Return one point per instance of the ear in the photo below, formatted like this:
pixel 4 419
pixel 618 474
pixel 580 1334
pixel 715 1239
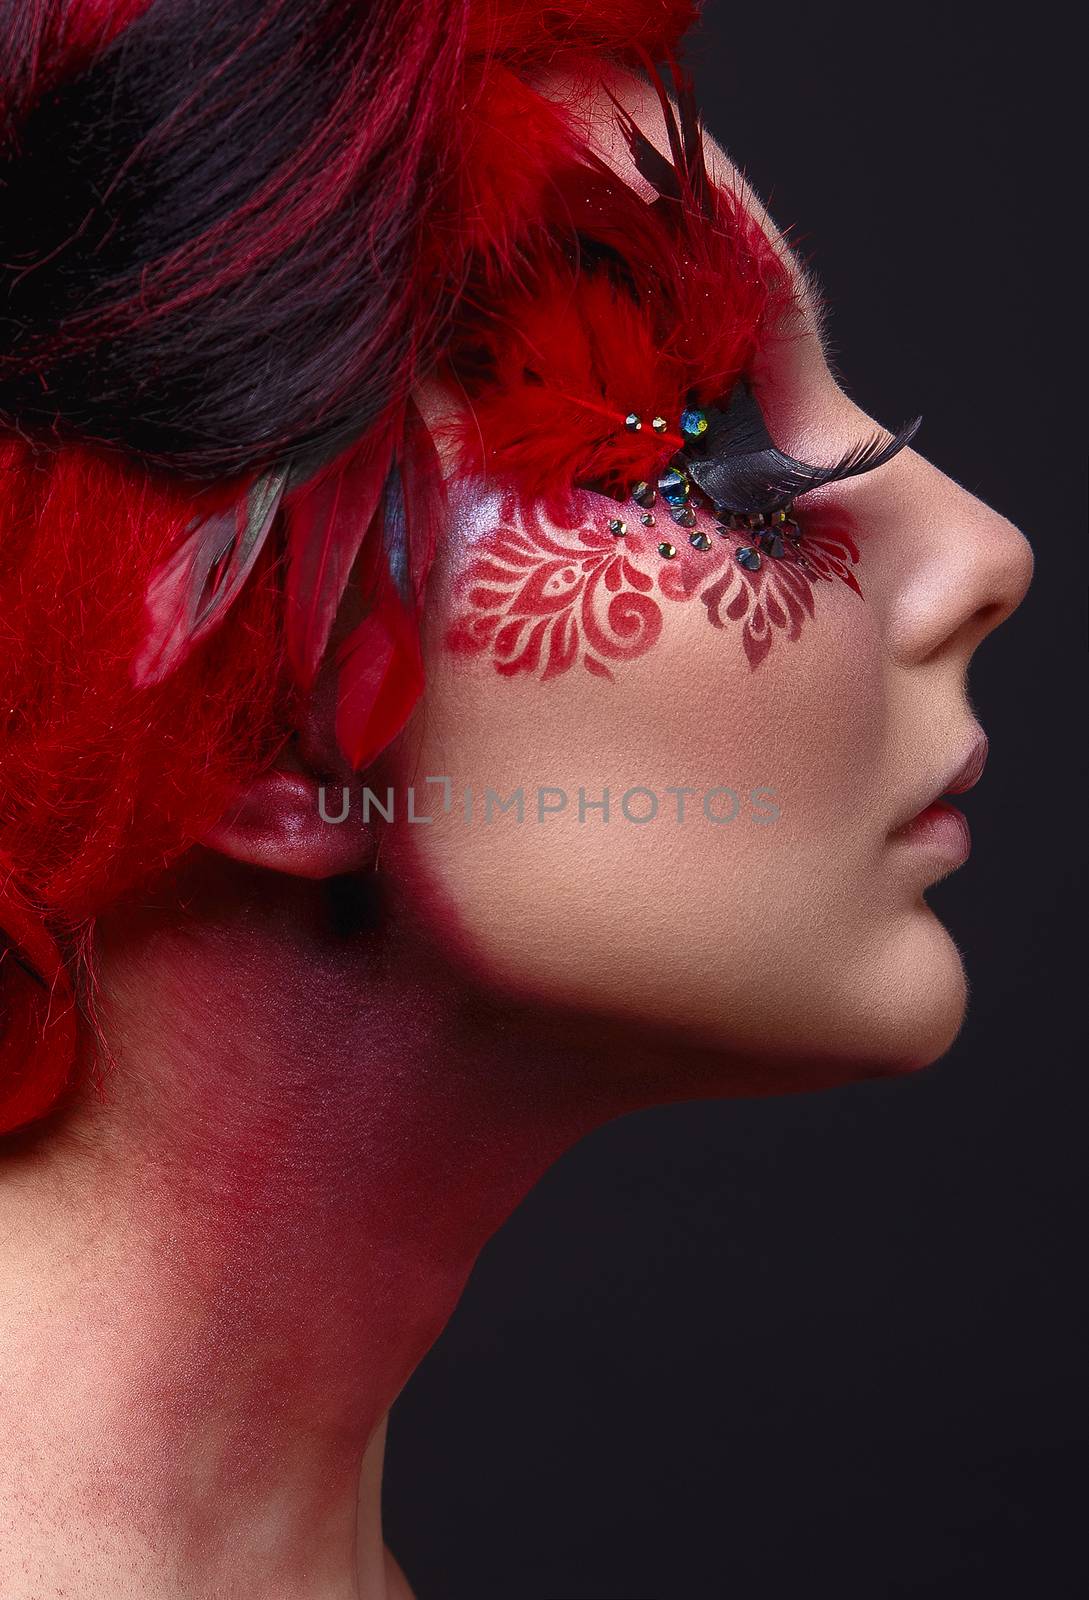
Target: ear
pixel 280 821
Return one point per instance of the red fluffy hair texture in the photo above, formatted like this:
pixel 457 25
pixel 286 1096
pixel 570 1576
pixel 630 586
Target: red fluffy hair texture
pixel 101 785
pixel 527 29
pixel 104 783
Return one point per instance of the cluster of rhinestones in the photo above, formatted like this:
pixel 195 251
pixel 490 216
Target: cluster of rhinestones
pixel 677 493
pixel 766 534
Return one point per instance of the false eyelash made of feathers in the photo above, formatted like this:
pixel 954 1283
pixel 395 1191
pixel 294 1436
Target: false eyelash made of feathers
pixel 740 470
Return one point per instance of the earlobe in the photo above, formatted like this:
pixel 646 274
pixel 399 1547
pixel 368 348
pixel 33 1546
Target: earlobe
pixel 281 821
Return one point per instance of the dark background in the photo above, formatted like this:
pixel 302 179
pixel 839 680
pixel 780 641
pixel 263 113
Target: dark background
pixel 833 1345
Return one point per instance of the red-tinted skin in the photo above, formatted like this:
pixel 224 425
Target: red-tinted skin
pixel 308 1135
pixel 310 1138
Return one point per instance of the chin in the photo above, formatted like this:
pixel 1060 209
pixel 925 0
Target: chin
pixel 917 999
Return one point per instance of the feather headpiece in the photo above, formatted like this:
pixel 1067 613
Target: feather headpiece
pixel 563 331
pixel 224 271
pixel 629 309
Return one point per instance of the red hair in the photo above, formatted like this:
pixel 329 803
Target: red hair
pixel 142 378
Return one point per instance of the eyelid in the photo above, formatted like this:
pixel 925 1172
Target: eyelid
pixel 738 466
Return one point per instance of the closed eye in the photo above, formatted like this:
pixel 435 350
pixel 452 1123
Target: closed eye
pixel 736 464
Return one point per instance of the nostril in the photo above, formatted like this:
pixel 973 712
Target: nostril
pixel 1008 577
pixel 989 616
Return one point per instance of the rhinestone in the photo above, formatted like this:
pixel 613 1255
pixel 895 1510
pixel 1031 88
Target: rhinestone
pixel 699 540
pixel 792 531
pixel 674 487
pixel 659 424
pixel 617 526
pixel 632 423
pixel 647 519
pixel 693 423
pixel 642 493
pixel 772 545
pixel 747 557
pixel 666 549
pixel 685 517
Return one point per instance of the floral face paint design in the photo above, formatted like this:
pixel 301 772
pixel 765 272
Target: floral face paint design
pixel 542 594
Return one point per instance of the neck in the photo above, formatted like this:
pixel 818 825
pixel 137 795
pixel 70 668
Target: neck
pixel 219 1270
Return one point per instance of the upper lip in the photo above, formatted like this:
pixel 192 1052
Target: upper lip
pixel 960 776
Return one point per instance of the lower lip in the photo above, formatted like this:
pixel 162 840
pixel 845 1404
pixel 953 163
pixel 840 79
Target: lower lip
pixel 940 829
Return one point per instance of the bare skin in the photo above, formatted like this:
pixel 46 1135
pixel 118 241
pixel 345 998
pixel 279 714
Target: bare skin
pixel 218 1272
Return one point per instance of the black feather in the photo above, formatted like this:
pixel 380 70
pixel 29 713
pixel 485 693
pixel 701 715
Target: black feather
pixel 742 471
pixel 680 178
pixel 649 161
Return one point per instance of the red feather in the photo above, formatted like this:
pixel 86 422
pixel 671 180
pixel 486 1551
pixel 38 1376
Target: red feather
pixel 190 593
pixel 327 519
pixel 515 141
pixel 634 306
pixel 570 362
pixel 625 28
pixel 425 499
pixel 380 665
pixel 381 677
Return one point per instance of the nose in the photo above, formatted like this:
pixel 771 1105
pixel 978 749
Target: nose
pixel 964 569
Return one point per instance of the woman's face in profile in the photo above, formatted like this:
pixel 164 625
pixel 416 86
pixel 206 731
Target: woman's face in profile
pixel 773 742
pixel 666 786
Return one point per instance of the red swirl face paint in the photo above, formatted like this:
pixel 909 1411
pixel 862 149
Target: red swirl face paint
pixel 539 595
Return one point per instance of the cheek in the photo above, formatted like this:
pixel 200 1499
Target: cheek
pixel 564 667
